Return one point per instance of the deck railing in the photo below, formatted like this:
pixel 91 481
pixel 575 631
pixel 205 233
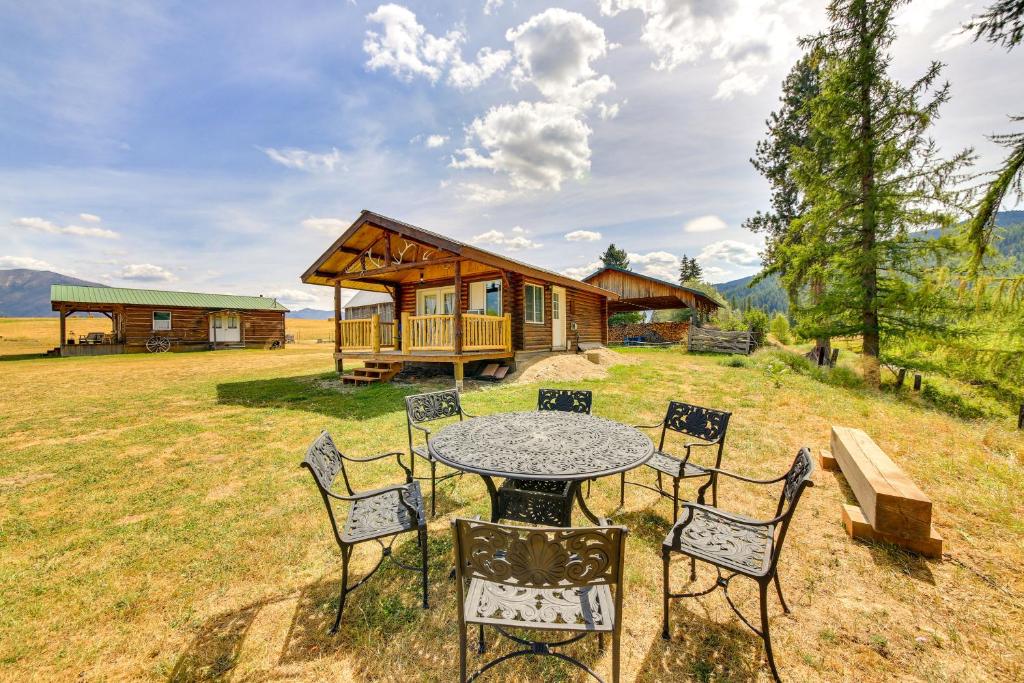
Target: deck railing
pixel 427 333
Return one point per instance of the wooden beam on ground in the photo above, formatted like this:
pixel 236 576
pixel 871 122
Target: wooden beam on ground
pixel 890 501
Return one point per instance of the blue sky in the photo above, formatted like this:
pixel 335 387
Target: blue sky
pixel 223 146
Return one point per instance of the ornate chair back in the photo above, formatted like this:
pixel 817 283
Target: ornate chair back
pixel 324 462
pixel 435 405
pixel 565 400
pixel 796 480
pixel 705 424
pixel 538 557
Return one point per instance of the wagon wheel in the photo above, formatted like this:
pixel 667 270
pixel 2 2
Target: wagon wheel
pixel 156 344
pixel 276 344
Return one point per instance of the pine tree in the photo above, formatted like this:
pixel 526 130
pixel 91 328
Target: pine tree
pixel 789 129
pixel 870 177
pixel 615 258
pixel 689 270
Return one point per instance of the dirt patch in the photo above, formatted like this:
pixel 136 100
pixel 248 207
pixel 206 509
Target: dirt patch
pixel 20 480
pixel 566 367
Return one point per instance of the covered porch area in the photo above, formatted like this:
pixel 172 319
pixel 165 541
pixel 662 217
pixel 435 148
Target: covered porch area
pixel 91 343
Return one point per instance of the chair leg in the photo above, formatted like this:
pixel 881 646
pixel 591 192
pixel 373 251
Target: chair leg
pixel 622 490
pixel 600 641
pixel 588 487
pixel 433 488
pixel 675 501
pixel 616 659
pixel 660 488
pixel 481 643
pixel 693 569
pixel 714 490
pixel 778 589
pixel 665 554
pixel 422 535
pixel 765 635
pixel 462 651
pixel 345 552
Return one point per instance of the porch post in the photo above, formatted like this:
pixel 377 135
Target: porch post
pixel 339 365
pixel 375 333
pixel 507 332
pixel 458 375
pixel 63 329
pixel 457 332
pixel 406 332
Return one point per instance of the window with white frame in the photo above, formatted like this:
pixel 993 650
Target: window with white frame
pixel 435 300
pixel 534 304
pixel 485 297
pixel 161 321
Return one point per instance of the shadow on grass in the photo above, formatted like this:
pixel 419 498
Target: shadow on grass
pixel 22 356
pixel 703 648
pixel 316 394
pixel 887 555
pixel 384 634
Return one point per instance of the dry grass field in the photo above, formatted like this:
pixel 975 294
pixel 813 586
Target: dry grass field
pixel 20 336
pixel 156 525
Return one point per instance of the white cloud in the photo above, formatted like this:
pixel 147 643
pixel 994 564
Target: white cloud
pixel 89 217
pixel 304 160
pixel 607 112
pixel 331 226
pixel 741 83
pixel 582 236
pixel 41 225
pixel 709 223
pixel 483 194
pixel 747 36
pixel 290 297
pixel 660 264
pixel 915 16
pixel 954 39
pixel 25 262
pixel 146 272
pixel 491 5
pixel 469 75
pixel 404 47
pixel 538 145
pixel 580 272
pixel 554 51
pixel 517 242
pixel 434 141
pixel 731 251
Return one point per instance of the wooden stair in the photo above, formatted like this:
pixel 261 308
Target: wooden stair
pixel 373 371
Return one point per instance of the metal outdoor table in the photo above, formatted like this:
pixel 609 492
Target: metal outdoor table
pixel 546 445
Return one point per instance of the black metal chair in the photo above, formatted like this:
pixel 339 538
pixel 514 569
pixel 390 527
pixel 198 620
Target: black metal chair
pixel 374 515
pixel 565 400
pixel 420 408
pixel 737 545
pixel 706 424
pixel 539 579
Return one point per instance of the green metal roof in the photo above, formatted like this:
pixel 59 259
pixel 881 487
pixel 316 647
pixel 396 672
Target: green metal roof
pixel 156 297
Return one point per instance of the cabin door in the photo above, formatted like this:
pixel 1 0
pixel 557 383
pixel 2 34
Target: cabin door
pixel 557 318
pixel 225 328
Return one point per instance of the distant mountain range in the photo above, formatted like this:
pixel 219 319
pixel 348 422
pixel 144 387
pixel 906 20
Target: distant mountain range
pixel 311 314
pixel 26 293
pixel 769 295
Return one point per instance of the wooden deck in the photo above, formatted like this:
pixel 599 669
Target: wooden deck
pixel 394 355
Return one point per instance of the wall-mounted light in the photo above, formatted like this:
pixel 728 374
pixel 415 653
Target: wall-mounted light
pixel 421 277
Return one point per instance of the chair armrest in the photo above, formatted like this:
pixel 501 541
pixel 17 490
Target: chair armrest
pixel 398 458
pixel 700 443
pixel 654 426
pixel 714 472
pixel 465 414
pixel 425 430
pixel 690 508
pixel 367 494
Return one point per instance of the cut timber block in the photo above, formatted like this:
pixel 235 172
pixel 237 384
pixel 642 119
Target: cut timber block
pixel 827 462
pixel 488 372
pixel 890 501
pixel 501 372
pixel 857 526
pixel 594 357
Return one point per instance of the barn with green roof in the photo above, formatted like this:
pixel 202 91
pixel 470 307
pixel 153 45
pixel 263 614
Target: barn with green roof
pixel 156 320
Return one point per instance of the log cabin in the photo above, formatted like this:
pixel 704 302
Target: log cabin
pixel 157 320
pixel 455 303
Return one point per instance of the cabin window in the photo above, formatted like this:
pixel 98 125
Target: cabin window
pixel 435 301
pixel 534 304
pixel 485 297
pixel 161 320
pixel 232 322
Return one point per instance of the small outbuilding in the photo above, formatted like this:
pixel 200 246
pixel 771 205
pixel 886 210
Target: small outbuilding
pixel 158 320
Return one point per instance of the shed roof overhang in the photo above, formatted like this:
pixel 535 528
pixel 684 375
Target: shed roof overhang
pixel 376 253
pixel 639 292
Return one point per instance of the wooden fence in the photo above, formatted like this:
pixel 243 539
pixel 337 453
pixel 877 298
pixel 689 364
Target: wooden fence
pixel 705 339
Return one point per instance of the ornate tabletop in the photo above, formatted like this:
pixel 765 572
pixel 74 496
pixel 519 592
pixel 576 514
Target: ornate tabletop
pixel 541 445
